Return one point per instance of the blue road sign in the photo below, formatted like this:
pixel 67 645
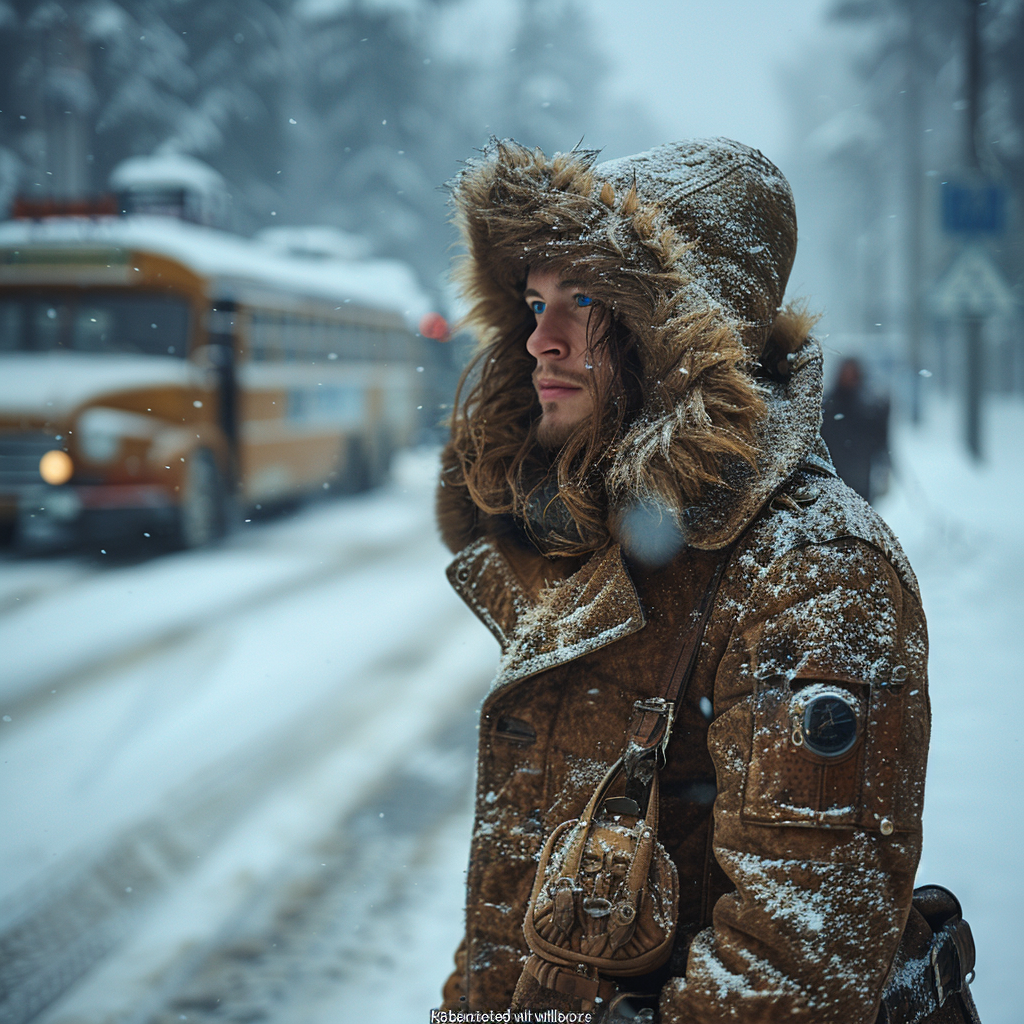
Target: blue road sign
pixel 973 208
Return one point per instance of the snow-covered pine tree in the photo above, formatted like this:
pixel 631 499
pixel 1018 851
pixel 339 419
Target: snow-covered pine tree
pixel 137 77
pixel 553 78
pixel 377 112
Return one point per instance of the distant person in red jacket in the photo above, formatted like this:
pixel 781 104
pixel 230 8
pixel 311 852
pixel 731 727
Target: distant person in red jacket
pixel 856 430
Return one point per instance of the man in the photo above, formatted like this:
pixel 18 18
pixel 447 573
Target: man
pixel 641 408
pixel 856 431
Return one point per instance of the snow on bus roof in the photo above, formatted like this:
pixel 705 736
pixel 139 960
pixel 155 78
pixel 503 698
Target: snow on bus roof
pixel 177 170
pixel 234 261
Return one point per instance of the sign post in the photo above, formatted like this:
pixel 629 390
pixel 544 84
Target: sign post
pixel 972 290
pixel 973 208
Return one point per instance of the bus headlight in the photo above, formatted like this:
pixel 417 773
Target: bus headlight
pixel 100 431
pixel 56 467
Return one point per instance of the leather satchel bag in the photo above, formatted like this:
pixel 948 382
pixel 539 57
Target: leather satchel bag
pixel 606 892
pixel 604 902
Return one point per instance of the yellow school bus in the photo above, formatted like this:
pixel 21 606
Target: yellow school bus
pixel 155 375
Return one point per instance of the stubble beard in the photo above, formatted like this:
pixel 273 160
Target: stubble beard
pixel 552 436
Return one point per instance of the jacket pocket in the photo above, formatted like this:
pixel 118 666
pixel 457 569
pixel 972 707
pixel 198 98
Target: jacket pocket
pixel 514 730
pixel 821 756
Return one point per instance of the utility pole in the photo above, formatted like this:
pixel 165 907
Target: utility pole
pixel 913 168
pixel 974 208
pixel 974 375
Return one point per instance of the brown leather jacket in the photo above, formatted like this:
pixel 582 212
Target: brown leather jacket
pixel 796 870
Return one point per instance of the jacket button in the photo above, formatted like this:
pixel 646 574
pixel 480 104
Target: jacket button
pixel 462 574
pixel 886 827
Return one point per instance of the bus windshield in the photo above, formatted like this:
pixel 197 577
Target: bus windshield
pixel 94 321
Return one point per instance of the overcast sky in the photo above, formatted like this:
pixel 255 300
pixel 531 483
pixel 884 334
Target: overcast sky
pixel 708 67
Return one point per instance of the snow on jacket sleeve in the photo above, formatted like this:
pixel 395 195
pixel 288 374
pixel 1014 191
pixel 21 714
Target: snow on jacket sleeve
pixel 822 851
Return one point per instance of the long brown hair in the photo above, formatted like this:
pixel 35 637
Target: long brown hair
pixel 502 463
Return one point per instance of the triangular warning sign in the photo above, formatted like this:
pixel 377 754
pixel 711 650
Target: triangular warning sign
pixel 973 287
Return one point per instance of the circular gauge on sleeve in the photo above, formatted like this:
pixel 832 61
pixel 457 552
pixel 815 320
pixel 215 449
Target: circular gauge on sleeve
pixel 830 724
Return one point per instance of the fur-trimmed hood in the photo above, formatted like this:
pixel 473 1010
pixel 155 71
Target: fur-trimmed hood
pixel 690 246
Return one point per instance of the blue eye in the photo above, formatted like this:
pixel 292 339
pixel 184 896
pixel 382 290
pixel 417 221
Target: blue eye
pixel 583 300
pixel 537 306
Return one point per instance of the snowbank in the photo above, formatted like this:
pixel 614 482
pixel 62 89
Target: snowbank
pixel 960 524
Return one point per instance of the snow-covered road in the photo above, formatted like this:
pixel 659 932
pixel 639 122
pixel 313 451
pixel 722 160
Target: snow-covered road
pixel 181 732
pixel 236 783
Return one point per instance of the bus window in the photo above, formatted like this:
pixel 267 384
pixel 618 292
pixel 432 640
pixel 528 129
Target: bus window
pixel 362 342
pixel 11 325
pixel 259 338
pixel 379 343
pixel 148 325
pixel 32 325
pixel 288 338
pixel 321 339
pixel 273 347
pixel 300 332
pixel 99 322
pixel 340 342
pixel 400 346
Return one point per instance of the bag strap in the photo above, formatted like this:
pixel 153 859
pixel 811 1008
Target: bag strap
pixel 592 991
pixel 646 835
pixel 651 726
pixel 924 979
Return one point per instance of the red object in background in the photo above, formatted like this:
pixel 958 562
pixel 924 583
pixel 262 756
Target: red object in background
pixel 433 325
pixel 38 209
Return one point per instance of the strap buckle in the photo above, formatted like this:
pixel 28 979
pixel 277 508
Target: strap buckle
pixel 662 707
pixel 940 991
pixel 649 731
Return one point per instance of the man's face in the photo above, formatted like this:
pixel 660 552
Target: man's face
pixel 569 371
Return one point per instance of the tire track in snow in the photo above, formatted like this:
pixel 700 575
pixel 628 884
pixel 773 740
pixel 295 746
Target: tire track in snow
pixel 55 933
pixel 317 929
pixel 158 641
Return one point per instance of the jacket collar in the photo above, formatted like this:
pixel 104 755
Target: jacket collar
pixel 592 608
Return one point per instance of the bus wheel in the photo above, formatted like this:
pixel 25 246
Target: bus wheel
pixel 201 515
